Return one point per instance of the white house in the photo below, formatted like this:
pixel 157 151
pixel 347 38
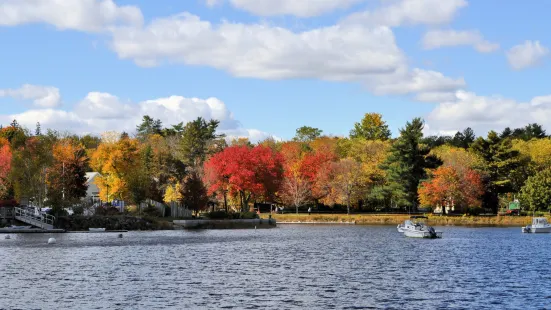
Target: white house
pixel 93 191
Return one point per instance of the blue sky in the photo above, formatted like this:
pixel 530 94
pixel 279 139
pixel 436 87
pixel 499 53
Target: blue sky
pixel 267 67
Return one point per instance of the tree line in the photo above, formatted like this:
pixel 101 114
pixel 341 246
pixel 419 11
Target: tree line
pixel 367 171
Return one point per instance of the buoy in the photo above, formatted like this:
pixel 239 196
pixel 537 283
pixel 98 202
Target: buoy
pixel 120 235
pixel 51 241
pixel 7 237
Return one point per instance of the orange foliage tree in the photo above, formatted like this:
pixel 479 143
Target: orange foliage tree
pixel 448 186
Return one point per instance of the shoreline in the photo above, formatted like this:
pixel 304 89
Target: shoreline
pixel 395 219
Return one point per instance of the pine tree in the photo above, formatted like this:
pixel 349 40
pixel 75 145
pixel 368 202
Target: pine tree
pixel 406 164
pixel 503 164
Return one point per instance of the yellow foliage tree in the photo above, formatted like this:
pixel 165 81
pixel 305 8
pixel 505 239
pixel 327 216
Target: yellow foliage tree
pixel 172 193
pixel 115 161
pixel 539 151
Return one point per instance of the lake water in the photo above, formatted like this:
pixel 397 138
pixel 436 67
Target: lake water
pixel 290 267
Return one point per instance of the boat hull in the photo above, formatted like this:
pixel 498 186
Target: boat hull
pixel 536 230
pixel 422 234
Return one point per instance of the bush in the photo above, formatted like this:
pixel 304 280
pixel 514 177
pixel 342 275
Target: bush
pixel 106 210
pixel 151 210
pixel 249 215
pixel 474 211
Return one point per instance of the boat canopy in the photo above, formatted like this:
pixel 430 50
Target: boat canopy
pixel 539 221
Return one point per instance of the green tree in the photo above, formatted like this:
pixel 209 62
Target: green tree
pixel 149 126
pixel 307 134
pixel 406 165
pixel 503 165
pixel 372 127
pixel 463 139
pixel 536 193
pixel 195 141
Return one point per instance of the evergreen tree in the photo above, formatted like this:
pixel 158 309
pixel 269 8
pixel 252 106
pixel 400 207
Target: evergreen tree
pixel 307 134
pixel 149 126
pixel 195 141
pixel 372 127
pixel 502 164
pixel 463 139
pixel 406 164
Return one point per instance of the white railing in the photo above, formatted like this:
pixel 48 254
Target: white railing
pixel 35 218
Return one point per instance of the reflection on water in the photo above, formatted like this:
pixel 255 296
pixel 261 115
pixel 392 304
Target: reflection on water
pixel 291 267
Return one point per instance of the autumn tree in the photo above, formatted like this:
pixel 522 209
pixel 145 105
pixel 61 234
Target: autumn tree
pixel 250 173
pixel 406 165
pixel 5 168
pixel 296 188
pixel 346 181
pixel 193 192
pixel 116 162
pixel 307 134
pixel 371 127
pixel 66 176
pixel 451 187
pixel 29 165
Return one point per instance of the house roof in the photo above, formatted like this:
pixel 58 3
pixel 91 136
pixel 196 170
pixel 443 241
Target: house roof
pixel 90 176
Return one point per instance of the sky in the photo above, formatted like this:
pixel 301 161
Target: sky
pixel 267 67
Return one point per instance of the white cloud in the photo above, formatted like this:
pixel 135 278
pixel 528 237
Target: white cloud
pixel 409 12
pixel 41 96
pixel 83 15
pixel 422 82
pixel 258 51
pixel 440 38
pixel 484 113
pixel 528 54
pixel 300 8
pixel 99 112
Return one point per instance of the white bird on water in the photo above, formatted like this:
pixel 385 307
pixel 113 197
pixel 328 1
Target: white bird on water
pixel 52 241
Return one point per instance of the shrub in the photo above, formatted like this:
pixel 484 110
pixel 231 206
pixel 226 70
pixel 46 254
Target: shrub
pixel 151 210
pixel 474 211
pixel 106 210
pixel 249 215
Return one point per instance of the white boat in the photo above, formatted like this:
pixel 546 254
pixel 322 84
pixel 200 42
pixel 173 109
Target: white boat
pixel 96 229
pixel 406 225
pixel 416 229
pixel 539 225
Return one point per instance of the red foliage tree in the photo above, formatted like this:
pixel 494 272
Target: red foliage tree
pixel 244 171
pixel 5 167
pixel 447 185
pixel 316 167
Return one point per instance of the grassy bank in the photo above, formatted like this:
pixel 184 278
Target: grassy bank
pixel 395 219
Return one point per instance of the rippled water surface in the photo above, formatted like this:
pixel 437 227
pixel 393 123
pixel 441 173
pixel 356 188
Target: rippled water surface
pixel 290 267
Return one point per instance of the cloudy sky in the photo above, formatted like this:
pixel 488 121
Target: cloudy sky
pixel 267 67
